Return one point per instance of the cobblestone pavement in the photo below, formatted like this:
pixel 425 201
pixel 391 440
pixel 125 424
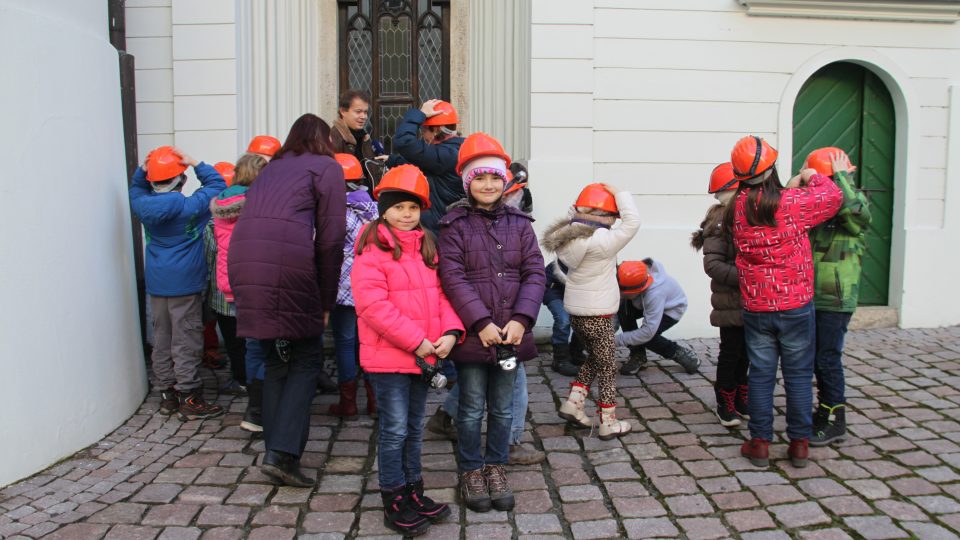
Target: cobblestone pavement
pixel 680 474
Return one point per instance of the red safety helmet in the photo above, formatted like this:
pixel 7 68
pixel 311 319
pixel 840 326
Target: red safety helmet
pixel 264 144
pixel 722 178
pixel 164 163
pixel 633 277
pixel 596 196
pixel 226 170
pixel 480 144
pixel 820 161
pixel 406 178
pixel 447 116
pixel 751 157
pixel 351 166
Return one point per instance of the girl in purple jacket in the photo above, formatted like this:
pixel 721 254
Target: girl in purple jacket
pixel 491 269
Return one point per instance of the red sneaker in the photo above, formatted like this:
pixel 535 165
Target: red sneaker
pixel 799 452
pixel 757 451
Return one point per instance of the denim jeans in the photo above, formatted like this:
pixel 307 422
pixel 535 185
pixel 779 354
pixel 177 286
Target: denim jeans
pixel 627 317
pixel 520 402
pixel 343 323
pixel 484 386
pixel 402 401
pixel 788 337
pixel 255 359
pixel 561 322
pixel 828 365
pixel 288 391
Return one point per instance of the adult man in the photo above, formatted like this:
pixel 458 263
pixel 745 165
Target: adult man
pixel 435 154
pixel 349 134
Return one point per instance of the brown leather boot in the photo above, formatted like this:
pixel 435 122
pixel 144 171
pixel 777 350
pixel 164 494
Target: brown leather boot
pixel 371 399
pixel 757 451
pixel 799 452
pixel 347 408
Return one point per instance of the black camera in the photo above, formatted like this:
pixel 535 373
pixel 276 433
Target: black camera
pixel 507 357
pixel 431 374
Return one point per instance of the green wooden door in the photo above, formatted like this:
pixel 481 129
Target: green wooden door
pixel 847 106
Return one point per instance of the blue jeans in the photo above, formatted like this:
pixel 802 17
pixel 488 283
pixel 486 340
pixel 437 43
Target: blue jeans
pixel 520 402
pixel 402 401
pixel 288 391
pixel 255 360
pixel 828 366
pixel 561 321
pixel 484 386
pixel 788 337
pixel 343 323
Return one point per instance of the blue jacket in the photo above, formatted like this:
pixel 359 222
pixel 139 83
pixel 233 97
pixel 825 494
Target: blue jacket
pixel 174 262
pixel 437 161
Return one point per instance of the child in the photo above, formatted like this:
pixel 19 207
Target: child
pixel 588 246
pixel 567 349
pixel 361 209
pixel 770 226
pixel 176 273
pixel 264 146
pixel 492 271
pixel 837 247
pixel 720 263
pixel 226 209
pixel 648 291
pixel 404 319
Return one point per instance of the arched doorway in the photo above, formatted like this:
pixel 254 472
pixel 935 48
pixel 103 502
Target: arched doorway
pixel 846 105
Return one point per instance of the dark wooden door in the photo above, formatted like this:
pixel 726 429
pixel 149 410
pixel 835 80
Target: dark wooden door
pixel 399 52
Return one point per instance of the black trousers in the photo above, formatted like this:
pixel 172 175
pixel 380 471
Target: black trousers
pixel 288 390
pixel 732 362
pixel 628 315
pixel 236 347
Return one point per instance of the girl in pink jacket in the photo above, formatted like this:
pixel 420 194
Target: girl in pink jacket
pixel 405 325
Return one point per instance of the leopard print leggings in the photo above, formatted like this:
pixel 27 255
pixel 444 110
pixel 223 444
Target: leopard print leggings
pixel 597 335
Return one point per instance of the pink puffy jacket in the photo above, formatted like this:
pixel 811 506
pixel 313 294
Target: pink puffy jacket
pixel 226 210
pixel 399 304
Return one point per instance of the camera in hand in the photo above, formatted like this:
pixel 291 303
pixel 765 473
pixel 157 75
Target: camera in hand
pixel 431 373
pixel 507 357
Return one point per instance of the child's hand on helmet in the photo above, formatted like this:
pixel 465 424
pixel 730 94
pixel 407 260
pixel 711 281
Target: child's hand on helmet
pixel 490 335
pixel 512 333
pixel 841 162
pixel 425 349
pixel 428 107
pixel 185 158
pixel 444 345
pixel 610 189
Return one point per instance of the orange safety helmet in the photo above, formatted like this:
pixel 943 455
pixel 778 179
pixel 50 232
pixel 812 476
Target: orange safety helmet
pixel 513 186
pixel 447 116
pixel 164 163
pixel 633 277
pixel 820 161
pixel 480 144
pixel 351 166
pixel 264 144
pixel 596 196
pixel 406 178
pixel 226 170
pixel 722 178
pixel 751 157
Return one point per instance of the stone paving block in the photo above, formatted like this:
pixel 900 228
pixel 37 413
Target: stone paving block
pixel 625 489
pixel 703 528
pixel 585 492
pixel 180 533
pixel 875 527
pixel 749 520
pixel 794 516
pixel 132 532
pixel 871 489
pixel 822 487
pixel 291 495
pixel 538 523
pixel 825 534
pixel 587 530
pixel 122 513
pixel 171 514
pixel 675 485
pixel 203 495
pixel 913 486
pixel 661 467
pixel 719 484
pixel 281 516
pixel 689 505
pixel 320 522
pixel 491 531
pixel 218 515
pixel 79 531
pixel 770 495
pixel 340 502
pixel 937 504
pixel 846 505
pixel 222 533
pixel 585 511
pixel 639 507
pixel 735 501
pixel 157 493
pixel 929 531
pixel 184 475
pixel 525 480
pixel 533 502
pixel 219 476
pixel 272 533
pixel 650 528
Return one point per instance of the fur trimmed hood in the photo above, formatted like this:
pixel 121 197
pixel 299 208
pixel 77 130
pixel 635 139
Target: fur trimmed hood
pixel 229 208
pixel 712 225
pixel 562 232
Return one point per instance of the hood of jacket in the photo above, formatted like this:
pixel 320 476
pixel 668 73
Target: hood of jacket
pixel 562 232
pixel 228 207
pixel 712 225
pixel 360 202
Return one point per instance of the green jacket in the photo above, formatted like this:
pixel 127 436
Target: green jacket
pixel 838 245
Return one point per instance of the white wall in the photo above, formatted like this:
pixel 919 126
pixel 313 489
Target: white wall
pixel 69 335
pixel 637 94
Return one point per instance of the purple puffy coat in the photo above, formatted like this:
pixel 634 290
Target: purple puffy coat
pixel 491 270
pixel 287 247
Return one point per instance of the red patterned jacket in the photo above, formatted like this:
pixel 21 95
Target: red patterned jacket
pixel 775 264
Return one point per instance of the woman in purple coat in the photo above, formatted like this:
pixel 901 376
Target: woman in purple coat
pixel 492 272
pixel 284 267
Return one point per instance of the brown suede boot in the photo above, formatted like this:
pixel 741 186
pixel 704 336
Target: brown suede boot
pixel 347 408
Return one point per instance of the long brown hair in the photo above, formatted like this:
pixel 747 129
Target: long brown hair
pixel 762 202
pixel 428 246
pixel 308 135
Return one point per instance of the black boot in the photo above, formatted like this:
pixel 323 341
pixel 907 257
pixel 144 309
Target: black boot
pixel 285 469
pixel 253 416
pixel 441 423
pixel 636 362
pixel 577 352
pixel 561 361
pixel 829 425
pixel 326 385
pixel 399 515
pixel 726 406
pixel 425 506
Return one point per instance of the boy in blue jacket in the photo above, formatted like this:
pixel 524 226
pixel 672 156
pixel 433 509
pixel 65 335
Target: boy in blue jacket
pixel 647 291
pixel 176 273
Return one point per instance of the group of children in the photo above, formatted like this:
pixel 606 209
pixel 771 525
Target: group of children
pixel 408 302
